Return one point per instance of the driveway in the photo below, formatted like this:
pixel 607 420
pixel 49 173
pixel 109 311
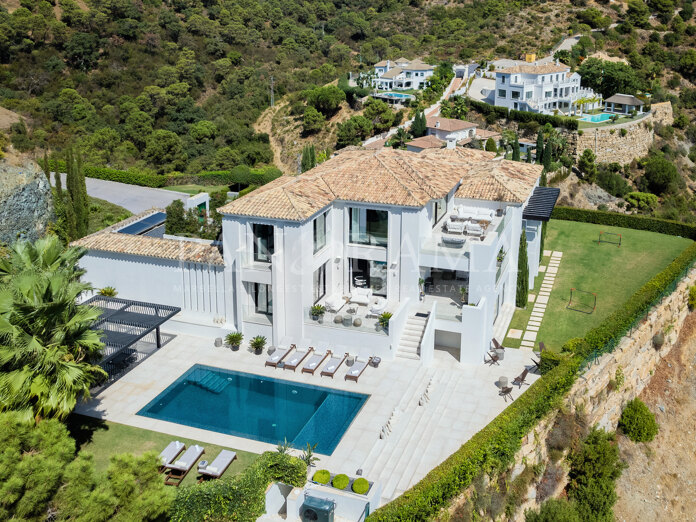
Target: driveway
pixel 131 197
pixel 479 85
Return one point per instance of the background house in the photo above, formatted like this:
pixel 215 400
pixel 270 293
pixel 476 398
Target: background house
pixel 401 74
pixel 623 104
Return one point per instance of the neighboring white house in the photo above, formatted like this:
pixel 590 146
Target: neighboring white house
pixel 364 233
pixel 401 74
pixel 543 88
pixel 448 132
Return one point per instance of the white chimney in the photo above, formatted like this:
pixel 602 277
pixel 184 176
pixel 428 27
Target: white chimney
pixel 451 143
pixel 388 64
pixel 437 124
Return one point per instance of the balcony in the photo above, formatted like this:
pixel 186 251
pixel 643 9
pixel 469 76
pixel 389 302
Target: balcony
pixel 350 317
pixel 251 315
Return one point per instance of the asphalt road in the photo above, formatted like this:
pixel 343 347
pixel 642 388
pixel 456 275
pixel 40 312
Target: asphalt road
pixel 131 197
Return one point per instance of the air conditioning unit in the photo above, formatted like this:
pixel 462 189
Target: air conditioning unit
pixel 316 509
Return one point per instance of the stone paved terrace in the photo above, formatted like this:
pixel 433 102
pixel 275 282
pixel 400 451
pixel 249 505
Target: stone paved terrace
pixel 462 399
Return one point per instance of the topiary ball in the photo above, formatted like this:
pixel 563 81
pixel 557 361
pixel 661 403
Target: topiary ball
pixel 361 486
pixel 638 422
pixel 340 481
pixel 322 476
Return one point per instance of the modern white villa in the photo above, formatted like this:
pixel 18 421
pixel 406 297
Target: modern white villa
pixel 401 74
pixel 431 238
pixel 543 88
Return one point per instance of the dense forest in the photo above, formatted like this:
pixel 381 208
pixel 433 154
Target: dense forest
pixel 176 85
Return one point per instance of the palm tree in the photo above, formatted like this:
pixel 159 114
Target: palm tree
pixel 400 138
pixel 48 349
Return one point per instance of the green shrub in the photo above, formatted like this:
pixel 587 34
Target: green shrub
pixel 243 497
pixel 340 481
pixel 594 469
pixel 571 345
pixel 522 116
pixel 692 298
pixel 322 476
pixel 637 422
pixel 361 486
pixel 548 361
pixel 553 510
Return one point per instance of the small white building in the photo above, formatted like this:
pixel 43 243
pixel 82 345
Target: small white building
pixel 543 88
pixel 623 104
pixel 450 129
pixel 432 238
pixel 401 74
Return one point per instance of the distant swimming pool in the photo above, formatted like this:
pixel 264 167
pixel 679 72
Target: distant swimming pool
pixel 596 118
pixel 256 407
pixel 398 95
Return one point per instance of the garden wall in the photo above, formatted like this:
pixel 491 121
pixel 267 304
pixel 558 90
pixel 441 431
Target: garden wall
pixel 610 146
pixel 594 393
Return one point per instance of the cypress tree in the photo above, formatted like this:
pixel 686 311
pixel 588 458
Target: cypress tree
pixel 542 180
pixel 546 158
pixel 59 185
pixel 309 158
pixel 83 225
pixel 46 167
pixel 490 145
pixel 313 156
pixel 419 126
pixel 516 149
pixel 529 155
pixel 539 147
pixel 522 273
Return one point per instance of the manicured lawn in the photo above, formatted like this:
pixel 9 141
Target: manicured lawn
pixel 613 273
pixel 195 189
pixel 104 439
pixel 103 213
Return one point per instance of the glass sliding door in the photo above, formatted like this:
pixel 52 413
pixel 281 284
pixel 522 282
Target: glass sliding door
pixel 263 243
pixel 365 273
pixel 319 285
pixel 368 226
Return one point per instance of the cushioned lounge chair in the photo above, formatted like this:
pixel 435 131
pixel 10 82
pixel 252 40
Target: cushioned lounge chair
pixel 361 296
pixel 455 227
pixel 357 370
pixel 334 303
pixel 296 359
pixel 177 470
pixel 216 468
pixel 333 365
pixel 315 361
pixel 170 453
pixel 278 356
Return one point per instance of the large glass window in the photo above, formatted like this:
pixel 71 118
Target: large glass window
pixel 319 282
pixel 263 243
pixel 439 210
pixel 320 232
pixel 365 273
pixel 369 227
pixel 515 95
pixel 263 299
pixel 502 93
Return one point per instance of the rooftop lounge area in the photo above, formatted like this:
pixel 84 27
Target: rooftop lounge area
pixel 460 227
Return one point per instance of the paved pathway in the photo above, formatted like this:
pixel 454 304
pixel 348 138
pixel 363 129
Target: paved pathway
pixel 529 337
pixel 131 197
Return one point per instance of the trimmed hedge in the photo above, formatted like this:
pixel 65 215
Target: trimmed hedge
pixel 662 226
pixel 523 116
pixel 548 361
pixel 244 497
pixel 240 174
pixel 494 447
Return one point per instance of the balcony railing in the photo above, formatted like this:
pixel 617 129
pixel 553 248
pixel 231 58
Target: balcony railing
pixel 357 321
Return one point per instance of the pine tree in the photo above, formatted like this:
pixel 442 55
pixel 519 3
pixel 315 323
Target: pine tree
pixel 539 147
pixel 516 149
pixel 490 145
pixel 522 273
pixel 546 158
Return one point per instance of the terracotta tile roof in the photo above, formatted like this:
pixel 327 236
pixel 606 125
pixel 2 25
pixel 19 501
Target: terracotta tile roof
pixel 386 176
pixel 484 134
pixel 392 73
pixel 383 63
pixel 110 240
pixel 418 65
pixel 546 68
pixel 402 60
pixel 508 181
pixel 448 124
pixel 427 142
pixel 377 144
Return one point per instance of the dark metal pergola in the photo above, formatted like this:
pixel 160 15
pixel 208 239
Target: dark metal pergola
pixel 123 323
pixel 541 204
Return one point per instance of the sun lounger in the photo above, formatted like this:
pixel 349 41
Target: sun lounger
pixel 521 378
pixel 218 466
pixel 333 365
pixel 277 357
pixel 178 469
pixel 357 369
pixel 296 359
pixel 315 361
pixel 170 453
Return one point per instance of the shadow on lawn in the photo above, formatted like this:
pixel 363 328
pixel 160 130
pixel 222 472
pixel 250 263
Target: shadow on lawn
pixel 82 428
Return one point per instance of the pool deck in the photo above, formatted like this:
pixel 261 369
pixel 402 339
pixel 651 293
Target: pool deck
pixel 433 410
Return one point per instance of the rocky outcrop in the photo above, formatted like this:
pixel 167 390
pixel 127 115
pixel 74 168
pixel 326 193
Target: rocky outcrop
pixel 26 203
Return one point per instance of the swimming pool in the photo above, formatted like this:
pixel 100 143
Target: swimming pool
pixel 397 95
pixel 256 407
pixel 596 118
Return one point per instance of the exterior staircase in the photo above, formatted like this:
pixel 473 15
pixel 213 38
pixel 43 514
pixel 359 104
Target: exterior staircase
pixel 409 344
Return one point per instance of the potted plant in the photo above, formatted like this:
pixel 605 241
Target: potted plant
pixel 421 288
pixel 501 256
pixel 258 343
pixel 383 320
pixel 464 294
pixel 108 291
pixel 317 312
pixel 233 340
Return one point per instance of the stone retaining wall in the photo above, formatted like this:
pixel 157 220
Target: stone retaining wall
pixel 610 146
pixel 636 357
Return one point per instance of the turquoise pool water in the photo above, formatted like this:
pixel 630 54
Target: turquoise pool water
pixel 397 95
pixel 596 118
pixel 259 408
